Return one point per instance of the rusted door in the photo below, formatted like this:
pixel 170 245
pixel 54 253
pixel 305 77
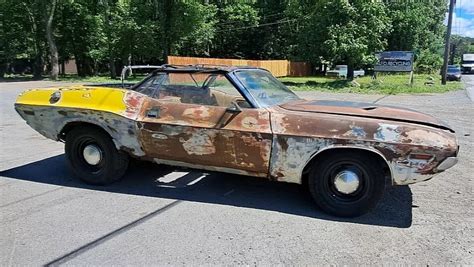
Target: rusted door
pixel 206 136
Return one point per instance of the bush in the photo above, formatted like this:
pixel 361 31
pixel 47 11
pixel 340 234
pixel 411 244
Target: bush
pixel 428 62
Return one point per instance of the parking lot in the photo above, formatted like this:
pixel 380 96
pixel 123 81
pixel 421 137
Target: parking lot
pixel 162 216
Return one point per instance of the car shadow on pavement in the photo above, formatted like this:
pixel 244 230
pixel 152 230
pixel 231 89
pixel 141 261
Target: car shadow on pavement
pixel 151 180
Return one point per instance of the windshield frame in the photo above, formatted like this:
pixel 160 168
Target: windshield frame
pixel 232 78
pixel 228 75
pixel 248 94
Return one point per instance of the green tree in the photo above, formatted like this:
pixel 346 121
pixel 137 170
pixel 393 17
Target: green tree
pixel 236 35
pixel 274 39
pixel 344 31
pixel 15 35
pixel 23 33
pixel 80 32
pixel 418 26
pixel 460 45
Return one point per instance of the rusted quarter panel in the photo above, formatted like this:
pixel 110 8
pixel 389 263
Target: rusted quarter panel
pixel 113 110
pixel 206 137
pixel 299 136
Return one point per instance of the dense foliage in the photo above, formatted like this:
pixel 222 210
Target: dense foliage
pixel 103 35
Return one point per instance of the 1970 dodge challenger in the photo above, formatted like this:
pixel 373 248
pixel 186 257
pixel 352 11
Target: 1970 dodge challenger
pixel 242 120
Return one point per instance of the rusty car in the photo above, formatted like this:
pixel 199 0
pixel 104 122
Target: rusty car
pixel 242 120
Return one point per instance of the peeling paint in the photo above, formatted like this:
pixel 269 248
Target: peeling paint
pixel 200 142
pixel 276 142
pixel 356 131
pixel 49 122
pixel 387 133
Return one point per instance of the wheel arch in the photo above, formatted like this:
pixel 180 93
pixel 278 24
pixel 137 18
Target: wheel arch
pixel 381 159
pixel 69 126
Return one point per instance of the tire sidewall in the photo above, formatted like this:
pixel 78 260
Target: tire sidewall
pixel 74 145
pixel 374 185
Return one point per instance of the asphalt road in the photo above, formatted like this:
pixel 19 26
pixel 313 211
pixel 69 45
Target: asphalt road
pixel 162 216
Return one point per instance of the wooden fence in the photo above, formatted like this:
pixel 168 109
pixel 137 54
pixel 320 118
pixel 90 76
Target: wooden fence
pixel 278 68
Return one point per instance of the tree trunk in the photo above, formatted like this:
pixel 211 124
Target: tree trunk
pixel 38 66
pixel 167 13
pixel 113 71
pixel 53 50
pixel 79 64
pixel 110 50
pixel 350 72
pixel 37 47
pixel 3 69
pixel 63 68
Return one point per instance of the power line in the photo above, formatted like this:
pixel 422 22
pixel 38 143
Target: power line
pixel 260 25
pixel 273 15
pixel 262 17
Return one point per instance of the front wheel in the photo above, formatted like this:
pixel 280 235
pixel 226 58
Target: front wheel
pixel 346 184
pixel 93 157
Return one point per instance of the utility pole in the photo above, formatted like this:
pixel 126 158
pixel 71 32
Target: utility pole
pixel 446 44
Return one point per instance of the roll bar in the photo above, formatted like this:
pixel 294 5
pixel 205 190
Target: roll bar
pixel 129 68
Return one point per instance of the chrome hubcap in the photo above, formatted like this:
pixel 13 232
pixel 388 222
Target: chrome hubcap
pixel 92 154
pixel 346 182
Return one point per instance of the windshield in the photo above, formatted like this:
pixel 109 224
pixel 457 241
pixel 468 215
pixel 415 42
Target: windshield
pixel 265 88
pixel 454 69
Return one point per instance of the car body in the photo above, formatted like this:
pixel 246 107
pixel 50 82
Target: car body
pixel 242 120
pixel 341 71
pixel 453 73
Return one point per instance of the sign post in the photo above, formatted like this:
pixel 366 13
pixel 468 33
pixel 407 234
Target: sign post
pixel 394 61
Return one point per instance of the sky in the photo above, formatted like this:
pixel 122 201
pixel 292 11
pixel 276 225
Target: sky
pixel 463 18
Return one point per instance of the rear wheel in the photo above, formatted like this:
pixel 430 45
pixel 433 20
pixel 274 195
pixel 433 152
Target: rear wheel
pixel 346 184
pixel 93 157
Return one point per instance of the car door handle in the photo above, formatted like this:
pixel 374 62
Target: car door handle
pixel 153 113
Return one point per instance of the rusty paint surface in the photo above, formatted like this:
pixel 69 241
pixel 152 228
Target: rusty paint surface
pixel 276 142
pixel 207 135
pixel 301 135
pixel 368 110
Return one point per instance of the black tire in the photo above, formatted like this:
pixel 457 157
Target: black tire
pixel 112 164
pixel 371 183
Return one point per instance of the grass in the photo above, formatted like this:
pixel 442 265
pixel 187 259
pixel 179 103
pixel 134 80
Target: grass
pixel 384 84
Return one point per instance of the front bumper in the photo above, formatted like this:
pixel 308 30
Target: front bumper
pixel 447 163
pixel 404 175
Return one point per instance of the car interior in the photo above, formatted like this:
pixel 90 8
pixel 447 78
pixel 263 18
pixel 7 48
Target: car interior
pixel 215 90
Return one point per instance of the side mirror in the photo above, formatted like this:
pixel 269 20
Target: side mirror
pixel 233 108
